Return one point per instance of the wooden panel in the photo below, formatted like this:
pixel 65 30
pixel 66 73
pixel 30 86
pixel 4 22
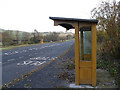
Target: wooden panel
pixel 77 55
pixel 85 76
pixel 85 64
pixel 84 24
pixel 87 57
pixel 94 49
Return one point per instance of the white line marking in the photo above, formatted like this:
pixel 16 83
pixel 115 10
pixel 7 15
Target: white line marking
pixel 11 60
pixel 26 63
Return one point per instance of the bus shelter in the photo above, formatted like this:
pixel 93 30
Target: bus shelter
pixel 85 64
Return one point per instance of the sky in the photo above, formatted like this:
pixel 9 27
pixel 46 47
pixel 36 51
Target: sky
pixel 27 15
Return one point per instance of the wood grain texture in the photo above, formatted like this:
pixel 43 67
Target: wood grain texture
pixel 87 57
pixel 85 64
pixel 77 55
pixel 94 51
pixel 85 75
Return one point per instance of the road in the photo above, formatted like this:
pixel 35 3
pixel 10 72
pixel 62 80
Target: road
pixel 19 61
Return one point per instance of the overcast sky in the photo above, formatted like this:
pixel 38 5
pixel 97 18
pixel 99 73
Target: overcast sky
pixel 27 15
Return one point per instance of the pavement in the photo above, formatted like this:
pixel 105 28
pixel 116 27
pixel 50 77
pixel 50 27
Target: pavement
pixel 47 77
pixel 19 61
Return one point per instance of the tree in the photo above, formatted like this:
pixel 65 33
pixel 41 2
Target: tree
pixel 108 15
pixel 7 38
pixel 37 36
pixel 69 37
pixel 52 36
pixel 17 36
pixel 25 37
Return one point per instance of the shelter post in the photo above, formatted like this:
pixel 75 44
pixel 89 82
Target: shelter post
pixel 94 53
pixel 77 55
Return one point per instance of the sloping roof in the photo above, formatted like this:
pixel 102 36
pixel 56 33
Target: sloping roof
pixel 75 19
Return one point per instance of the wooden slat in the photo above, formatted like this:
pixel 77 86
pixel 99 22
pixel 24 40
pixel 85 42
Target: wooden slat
pixel 85 64
pixel 87 57
pixel 84 24
pixel 94 49
pixel 77 55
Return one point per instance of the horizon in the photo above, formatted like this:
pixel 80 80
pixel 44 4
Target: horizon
pixel 39 32
pixel 27 15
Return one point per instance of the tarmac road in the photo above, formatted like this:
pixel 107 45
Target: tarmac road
pixel 19 61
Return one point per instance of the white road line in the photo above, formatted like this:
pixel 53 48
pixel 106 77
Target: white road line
pixel 21 57
pixel 30 49
pixel 11 60
pixel 26 63
pixel 18 63
pixel 6 53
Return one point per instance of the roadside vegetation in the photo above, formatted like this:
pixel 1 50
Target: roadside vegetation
pixel 11 39
pixel 108 37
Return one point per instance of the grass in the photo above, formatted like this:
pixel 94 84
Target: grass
pixel 14 46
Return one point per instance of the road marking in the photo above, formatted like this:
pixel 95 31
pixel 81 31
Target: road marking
pixel 16 52
pixel 30 49
pixel 24 50
pixel 11 60
pixel 26 63
pixel 21 57
pixel 6 53
pixel 36 61
pixel 49 59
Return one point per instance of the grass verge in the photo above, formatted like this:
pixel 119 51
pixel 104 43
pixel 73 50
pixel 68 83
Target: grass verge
pixel 14 46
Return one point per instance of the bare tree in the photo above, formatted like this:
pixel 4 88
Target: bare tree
pixel 108 15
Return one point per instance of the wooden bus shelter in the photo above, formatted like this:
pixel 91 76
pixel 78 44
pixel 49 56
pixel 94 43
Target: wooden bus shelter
pixel 85 64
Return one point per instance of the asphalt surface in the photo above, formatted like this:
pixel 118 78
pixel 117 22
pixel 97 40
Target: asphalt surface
pixel 47 77
pixel 19 61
